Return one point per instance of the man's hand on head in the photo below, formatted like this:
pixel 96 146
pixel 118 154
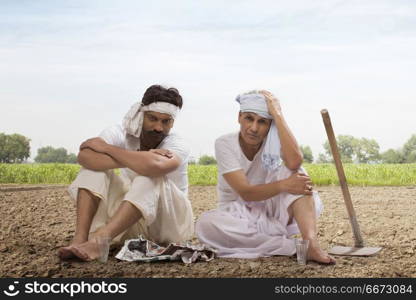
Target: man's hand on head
pixel 97 144
pixel 273 104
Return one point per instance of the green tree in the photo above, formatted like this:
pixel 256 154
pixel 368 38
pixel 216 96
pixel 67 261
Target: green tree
pixel 71 159
pixel 49 154
pixel 411 157
pixel 406 154
pixel 323 159
pixel 392 156
pixel 352 149
pixel 409 150
pixel 366 151
pixel 3 142
pixel 14 148
pixel 346 146
pixel 307 153
pixel 191 161
pixel 207 160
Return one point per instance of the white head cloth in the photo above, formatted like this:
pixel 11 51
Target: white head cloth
pixel 133 120
pixel 256 103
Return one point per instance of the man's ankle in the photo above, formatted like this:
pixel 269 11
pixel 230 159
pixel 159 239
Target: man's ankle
pixel 79 238
pixel 103 233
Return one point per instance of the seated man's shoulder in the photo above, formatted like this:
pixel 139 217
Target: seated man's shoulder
pixel 174 138
pixel 175 142
pixel 115 128
pixel 228 138
pixel 113 134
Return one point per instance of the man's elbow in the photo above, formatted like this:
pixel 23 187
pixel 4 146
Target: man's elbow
pixel 84 161
pixel 246 197
pixel 294 164
pixel 81 158
pixel 247 194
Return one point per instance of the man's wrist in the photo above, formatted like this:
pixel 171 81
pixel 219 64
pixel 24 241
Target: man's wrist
pixel 281 185
pixel 275 113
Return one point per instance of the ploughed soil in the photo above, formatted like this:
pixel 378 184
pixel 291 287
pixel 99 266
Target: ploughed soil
pixel 36 220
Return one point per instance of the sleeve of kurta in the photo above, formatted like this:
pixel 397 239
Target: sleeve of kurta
pixel 177 145
pixel 114 135
pixel 227 156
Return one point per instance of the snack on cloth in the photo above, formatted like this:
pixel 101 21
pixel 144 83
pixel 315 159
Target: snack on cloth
pixel 144 250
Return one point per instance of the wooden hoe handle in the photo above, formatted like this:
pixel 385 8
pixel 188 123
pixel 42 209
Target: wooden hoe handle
pixel 342 179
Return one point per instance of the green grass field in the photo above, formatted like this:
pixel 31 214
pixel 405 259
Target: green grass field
pixel 321 174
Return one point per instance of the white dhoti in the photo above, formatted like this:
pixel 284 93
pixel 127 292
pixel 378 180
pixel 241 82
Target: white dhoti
pixel 166 210
pixel 243 229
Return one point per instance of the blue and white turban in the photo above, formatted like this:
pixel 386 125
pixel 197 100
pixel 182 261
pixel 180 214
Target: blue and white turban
pixel 255 102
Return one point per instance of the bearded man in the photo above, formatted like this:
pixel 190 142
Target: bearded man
pixel 150 197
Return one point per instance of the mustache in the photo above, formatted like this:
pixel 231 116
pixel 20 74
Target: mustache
pixel 152 134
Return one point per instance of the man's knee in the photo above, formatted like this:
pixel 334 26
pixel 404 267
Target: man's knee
pixel 87 176
pixel 206 225
pixel 304 201
pixel 83 192
pixel 143 182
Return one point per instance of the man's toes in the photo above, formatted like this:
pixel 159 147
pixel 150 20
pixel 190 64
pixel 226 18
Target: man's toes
pixel 321 257
pixel 328 260
pixel 80 253
pixel 332 260
pixel 65 253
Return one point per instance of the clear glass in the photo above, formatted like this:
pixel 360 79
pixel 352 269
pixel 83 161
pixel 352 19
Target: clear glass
pixel 104 248
pixel 301 250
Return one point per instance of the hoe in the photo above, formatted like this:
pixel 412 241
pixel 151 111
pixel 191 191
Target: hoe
pixel 358 249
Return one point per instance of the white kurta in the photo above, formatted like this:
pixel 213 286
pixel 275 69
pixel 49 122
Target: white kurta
pixel 162 201
pixel 248 229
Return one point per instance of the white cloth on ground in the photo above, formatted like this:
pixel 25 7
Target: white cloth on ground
pixel 248 229
pixel 143 250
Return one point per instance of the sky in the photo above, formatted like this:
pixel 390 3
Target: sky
pixel 69 69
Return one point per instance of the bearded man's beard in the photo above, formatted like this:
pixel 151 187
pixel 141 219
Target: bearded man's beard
pixel 151 138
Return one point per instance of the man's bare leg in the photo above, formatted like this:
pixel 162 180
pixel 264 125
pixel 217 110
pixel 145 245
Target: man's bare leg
pixel 303 210
pixel 87 205
pixel 126 215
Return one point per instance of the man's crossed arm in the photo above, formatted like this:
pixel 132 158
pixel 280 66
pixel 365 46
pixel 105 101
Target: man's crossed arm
pixel 296 184
pixel 95 154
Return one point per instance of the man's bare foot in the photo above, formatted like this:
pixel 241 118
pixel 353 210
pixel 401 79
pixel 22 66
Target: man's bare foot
pixel 87 251
pixel 96 246
pixel 315 253
pixel 66 252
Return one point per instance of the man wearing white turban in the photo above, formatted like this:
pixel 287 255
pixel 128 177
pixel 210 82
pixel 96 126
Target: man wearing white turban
pixel 265 196
pixel 151 195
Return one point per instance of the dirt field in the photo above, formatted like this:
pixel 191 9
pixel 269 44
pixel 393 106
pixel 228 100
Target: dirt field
pixel 35 222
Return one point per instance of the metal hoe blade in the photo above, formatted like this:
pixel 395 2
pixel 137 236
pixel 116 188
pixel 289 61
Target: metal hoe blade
pixel 354 251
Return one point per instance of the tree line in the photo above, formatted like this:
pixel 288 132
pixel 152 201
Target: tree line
pixel 351 150
pixel 50 154
pixel 367 151
pixel 15 148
